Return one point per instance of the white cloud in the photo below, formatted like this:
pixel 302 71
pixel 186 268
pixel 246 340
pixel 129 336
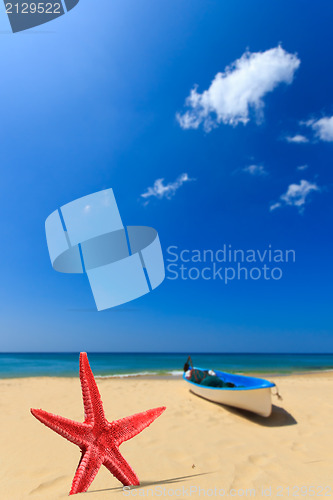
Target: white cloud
pixel 255 170
pixel 298 139
pixel 274 206
pixel 161 190
pixel 323 128
pixel 302 167
pixel 296 195
pixel 239 89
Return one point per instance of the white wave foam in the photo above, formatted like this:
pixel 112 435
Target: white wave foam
pixel 125 375
pixel 173 373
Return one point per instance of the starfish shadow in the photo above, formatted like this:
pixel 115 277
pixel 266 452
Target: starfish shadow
pixel 144 484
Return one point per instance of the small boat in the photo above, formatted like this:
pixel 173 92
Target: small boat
pixel 250 393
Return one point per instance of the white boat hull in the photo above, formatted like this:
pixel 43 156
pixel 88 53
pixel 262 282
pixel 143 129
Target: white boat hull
pixel 247 393
pixel 258 401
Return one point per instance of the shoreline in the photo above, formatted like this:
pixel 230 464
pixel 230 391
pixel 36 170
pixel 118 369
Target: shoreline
pixel 168 376
pixel 161 365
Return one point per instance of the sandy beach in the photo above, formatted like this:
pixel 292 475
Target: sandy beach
pixel 195 449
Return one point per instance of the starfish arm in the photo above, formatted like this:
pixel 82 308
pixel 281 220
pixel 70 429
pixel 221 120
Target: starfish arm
pixel 128 427
pixel 73 431
pixel 88 467
pixel 118 466
pixel 93 407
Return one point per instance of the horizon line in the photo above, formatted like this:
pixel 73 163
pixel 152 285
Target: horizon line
pixel 165 352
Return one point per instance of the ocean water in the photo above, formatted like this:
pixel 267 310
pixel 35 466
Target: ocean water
pixel 125 364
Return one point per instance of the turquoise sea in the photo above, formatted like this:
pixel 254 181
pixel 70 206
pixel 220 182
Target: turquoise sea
pixel 125 364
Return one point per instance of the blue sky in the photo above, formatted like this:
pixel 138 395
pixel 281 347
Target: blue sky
pixel 90 101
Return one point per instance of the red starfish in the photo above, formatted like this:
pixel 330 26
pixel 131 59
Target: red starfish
pixel 98 439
